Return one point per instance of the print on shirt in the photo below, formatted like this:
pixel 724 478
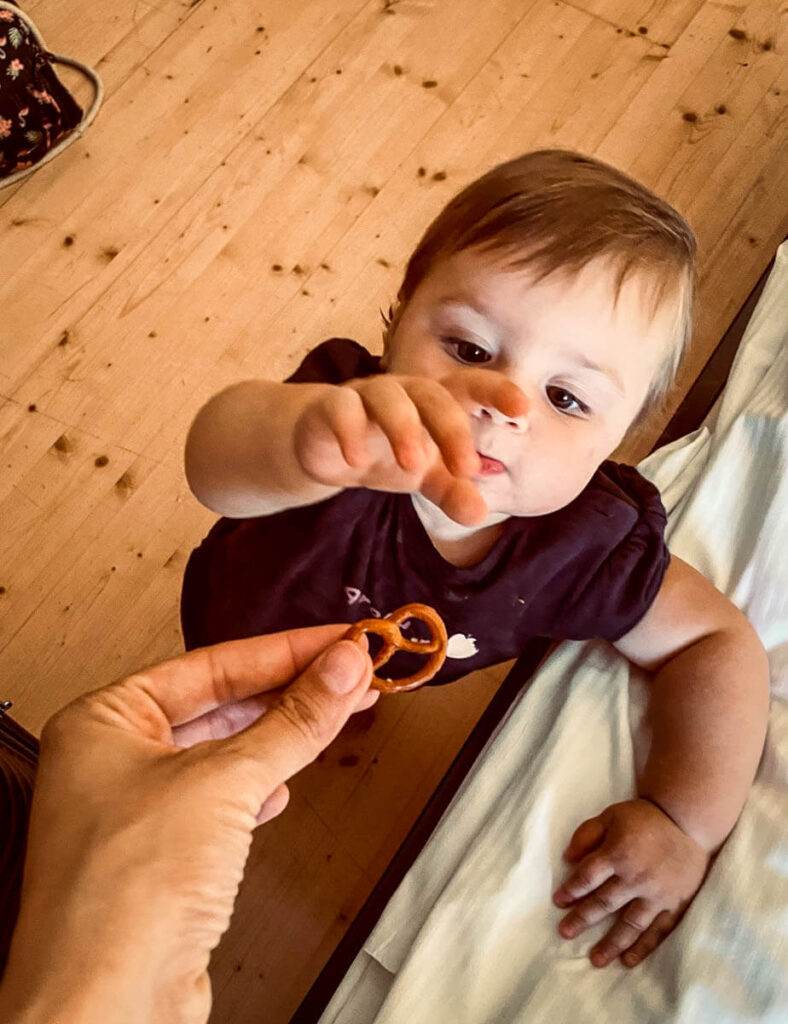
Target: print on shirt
pixel 355 596
pixel 461 646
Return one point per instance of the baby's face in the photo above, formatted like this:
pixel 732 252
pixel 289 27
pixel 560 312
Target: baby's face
pixel 583 364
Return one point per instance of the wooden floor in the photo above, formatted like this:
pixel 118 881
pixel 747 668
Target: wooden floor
pixel 254 183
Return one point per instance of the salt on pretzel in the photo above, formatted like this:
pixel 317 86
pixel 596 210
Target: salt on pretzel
pixel 393 641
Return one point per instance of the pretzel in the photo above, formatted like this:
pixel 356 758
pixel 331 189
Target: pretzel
pixel 393 640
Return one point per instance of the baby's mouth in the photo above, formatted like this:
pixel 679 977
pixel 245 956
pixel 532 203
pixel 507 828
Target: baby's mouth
pixel 490 466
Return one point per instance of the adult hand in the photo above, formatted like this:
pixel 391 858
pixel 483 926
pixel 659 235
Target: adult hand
pixel 141 824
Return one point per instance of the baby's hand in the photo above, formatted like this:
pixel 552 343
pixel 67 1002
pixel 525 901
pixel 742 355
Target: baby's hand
pixel 398 433
pixel 631 858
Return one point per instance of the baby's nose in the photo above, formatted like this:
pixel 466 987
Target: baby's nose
pixel 493 415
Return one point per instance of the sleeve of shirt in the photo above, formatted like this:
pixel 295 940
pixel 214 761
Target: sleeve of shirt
pixel 622 571
pixel 335 361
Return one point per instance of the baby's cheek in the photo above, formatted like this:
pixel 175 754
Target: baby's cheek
pixel 570 481
pixel 570 473
pixel 592 449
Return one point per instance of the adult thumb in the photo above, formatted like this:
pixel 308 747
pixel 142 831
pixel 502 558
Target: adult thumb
pixel 308 715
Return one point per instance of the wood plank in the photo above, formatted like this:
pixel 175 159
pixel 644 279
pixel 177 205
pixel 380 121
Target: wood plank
pixel 169 113
pixel 712 97
pixel 663 21
pixel 695 136
pixel 655 106
pixel 529 83
pixel 112 540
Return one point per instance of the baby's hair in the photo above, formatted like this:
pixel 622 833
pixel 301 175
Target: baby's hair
pixel 556 210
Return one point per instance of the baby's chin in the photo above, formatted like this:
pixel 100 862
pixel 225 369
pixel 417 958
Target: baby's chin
pixel 522 502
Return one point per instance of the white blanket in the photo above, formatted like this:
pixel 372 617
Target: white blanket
pixel 470 935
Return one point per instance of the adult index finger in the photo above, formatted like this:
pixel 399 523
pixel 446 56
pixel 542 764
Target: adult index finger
pixel 307 717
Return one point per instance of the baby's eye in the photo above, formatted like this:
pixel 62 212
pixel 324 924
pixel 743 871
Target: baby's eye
pixel 565 400
pixel 467 351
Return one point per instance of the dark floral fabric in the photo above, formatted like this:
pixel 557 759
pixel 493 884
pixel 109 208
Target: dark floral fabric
pixel 36 110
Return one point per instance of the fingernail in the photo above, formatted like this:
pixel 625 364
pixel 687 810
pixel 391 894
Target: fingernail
pixel 363 642
pixel 342 666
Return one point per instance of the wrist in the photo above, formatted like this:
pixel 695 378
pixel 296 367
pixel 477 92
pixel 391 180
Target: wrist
pixel 106 988
pixel 75 986
pixel 87 959
pixel 707 840
pixel 79 1001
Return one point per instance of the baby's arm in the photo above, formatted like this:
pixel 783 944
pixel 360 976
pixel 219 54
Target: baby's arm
pixel 240 457
pixel 707 718
pixel 708 704
pixel 260 446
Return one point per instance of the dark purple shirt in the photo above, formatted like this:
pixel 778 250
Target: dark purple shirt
pixel 591 569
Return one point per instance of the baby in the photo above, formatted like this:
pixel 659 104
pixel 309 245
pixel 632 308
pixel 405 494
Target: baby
pixel 543 311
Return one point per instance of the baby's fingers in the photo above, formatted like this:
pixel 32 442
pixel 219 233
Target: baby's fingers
pixel 606 900
pixel 633 922
pixel 447 424
pixel 586 838
pixel 592 872
pixel 457 497
pixel 388 404
pixel 662 925
pixel 343 413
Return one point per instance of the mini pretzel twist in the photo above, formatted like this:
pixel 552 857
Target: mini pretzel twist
pixel 393 641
